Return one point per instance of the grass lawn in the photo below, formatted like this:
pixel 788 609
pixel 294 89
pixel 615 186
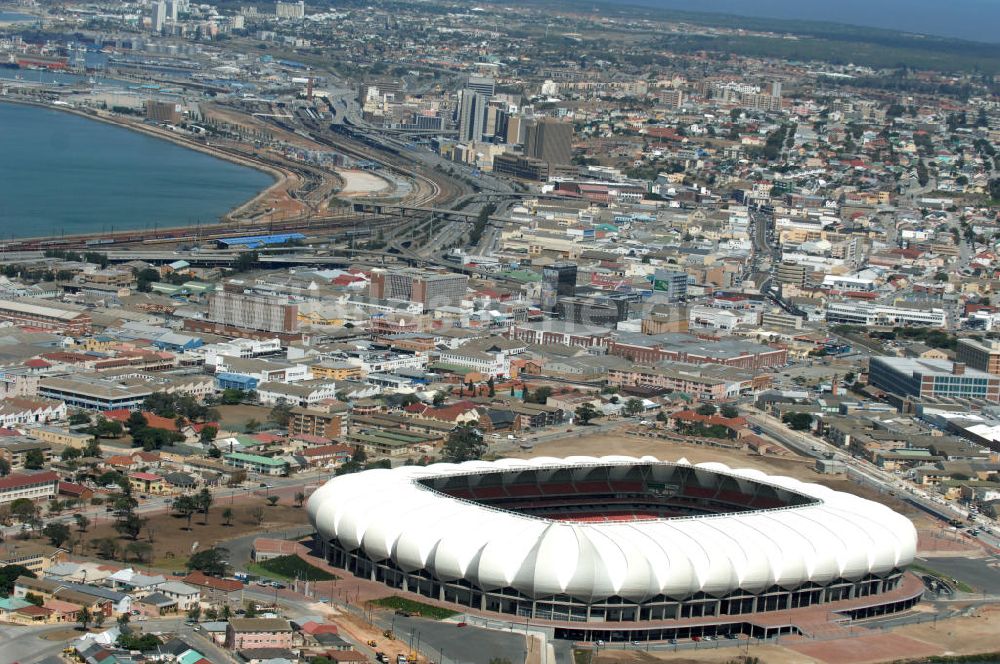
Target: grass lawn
pixel 960 586
pixel 289 568
pixel 417 608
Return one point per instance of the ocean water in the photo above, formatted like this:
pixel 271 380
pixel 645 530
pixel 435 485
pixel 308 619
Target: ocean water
pixel 14 17
pixel 64 174
pixel 975 20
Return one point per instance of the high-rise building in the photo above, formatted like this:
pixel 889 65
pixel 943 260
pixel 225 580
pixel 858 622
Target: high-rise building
pixel 549 140
pixel 558 280
pixel 249 311
pixel 471 115
pixel 979 355
pixel 431 289
pixel 290 9
pixel 158 15
pixel 484 85
pixel 172 9
pixel 515 130
pixel 672 283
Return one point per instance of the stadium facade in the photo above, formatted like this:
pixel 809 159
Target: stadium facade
pixel 622 546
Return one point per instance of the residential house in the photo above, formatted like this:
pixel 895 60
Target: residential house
pixel 249 633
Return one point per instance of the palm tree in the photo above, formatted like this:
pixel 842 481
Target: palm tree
pixel 84 617
pixel 227 516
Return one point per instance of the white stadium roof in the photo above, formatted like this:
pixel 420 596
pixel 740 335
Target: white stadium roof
pixel 389 515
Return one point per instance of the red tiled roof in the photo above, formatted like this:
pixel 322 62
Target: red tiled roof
pixel 23 479
pixel 156 422
pixel 202 579
pixel 37 363
pixel 118 415
pixel 313 627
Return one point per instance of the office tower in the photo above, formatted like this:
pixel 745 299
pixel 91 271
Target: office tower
pixel 249 311
pixel 484 85
pixel 549 140
pixel 515 130
pixel 172 10
pixel 158 15
pixel 494 110
pixel 776 89
pixel 672 283
pixel 558 280
pixel 471 115
pixel 290 9
pixel 431 289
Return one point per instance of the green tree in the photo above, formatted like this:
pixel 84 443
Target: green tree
pixel 107 548
pixel 272 500
pixel 23 509
pixel 208 434
pixel 194 613
pixel 57 533
pixel 633 407
pixel 4 467
pixel 729 410
pixel 798 421
pixel 465 443
pixel 210 561
pixel 140 550
pixel 130 525
pixel 227 516
pixel 257 514
pixel 205 500
pixel 299 498
pixel 84 617
pixel 145 642
pixel 540 395
pixel 81 522
pixel 34 460
pixel 185 506
pixel 232 396
pixel 438 399
pixel 585 413
pixel 79 418
pixel 70 453
pixel 251 426
pixel 93 449
pixel 281 414
pixel 705 409
pixel 9 574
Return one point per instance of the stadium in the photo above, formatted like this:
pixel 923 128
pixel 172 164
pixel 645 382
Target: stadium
pixel 619 548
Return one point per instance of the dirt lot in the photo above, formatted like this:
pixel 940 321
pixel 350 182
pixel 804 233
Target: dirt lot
pixel 172 541
pixel 235 418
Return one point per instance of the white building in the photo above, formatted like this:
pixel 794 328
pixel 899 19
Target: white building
pixel 868 314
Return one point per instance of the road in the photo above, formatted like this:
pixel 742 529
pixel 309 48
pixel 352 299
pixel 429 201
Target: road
pixel 445 642
pixel 865 472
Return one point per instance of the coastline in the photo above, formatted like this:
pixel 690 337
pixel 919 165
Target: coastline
pixel 280 177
